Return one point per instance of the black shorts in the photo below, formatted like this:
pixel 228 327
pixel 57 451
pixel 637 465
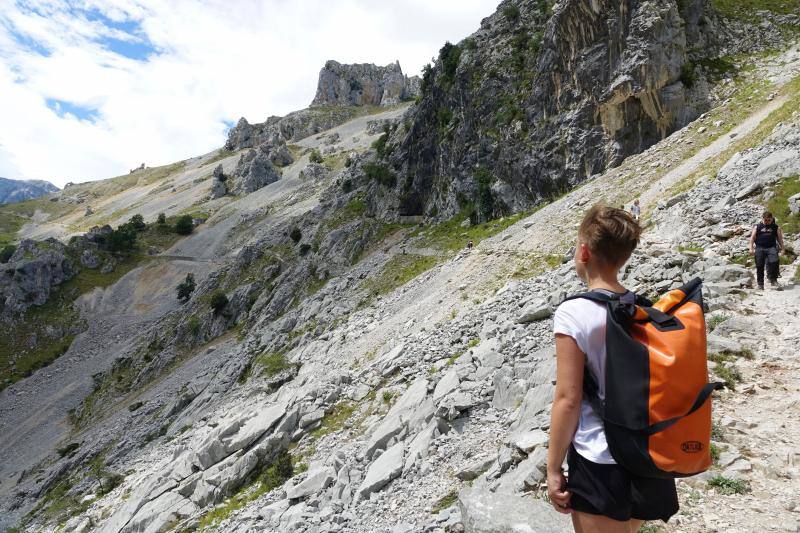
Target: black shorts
pixel 612 491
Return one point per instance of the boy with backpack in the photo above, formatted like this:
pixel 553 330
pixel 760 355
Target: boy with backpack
pixel 625 423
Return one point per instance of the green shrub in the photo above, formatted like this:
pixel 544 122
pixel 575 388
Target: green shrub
pixel 218 302
pixel 295 234
pixel 443 117
pixel 186 288
pixel 485 201
pixel 449 56
pixel 728 486
pixel 184 225
pixel 6 253
pixel 380 143
pixel 137 222
pixel 315 157
pixel 381 174
pixel 304 249
pixel 162 218
pixel 688 76
pixel 511 12
pixel 714 451
pixel 427 79
pixel 193 325
pixel 122 239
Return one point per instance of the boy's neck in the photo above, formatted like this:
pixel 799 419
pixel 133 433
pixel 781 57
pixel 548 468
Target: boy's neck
pixel 604 280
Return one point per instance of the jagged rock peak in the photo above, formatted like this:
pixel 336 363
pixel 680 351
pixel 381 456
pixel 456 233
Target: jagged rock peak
pixel 363 84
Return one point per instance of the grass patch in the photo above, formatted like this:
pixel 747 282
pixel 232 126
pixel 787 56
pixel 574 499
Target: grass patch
pixel 747 10
pixel 728 486
pixel 398 271
pixel 691 247
pixel 535 264
pixel 271 363
pixel 10 224
pixel 335 420
pixel 451 236
pixel 714 321
pixel 445 501
pixel 714 451
pixel 729 373
pixel 779 204
pixel 267 479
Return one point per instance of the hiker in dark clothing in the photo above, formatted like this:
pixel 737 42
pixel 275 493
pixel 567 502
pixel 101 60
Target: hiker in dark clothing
pixel 766 243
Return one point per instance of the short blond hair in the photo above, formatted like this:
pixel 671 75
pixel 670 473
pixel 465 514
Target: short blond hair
pixel 610 233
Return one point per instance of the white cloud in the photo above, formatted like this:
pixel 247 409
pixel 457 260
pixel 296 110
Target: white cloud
pixel 216 61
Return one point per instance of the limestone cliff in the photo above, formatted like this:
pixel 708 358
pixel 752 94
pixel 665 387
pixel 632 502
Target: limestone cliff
pixel 541 97
pixel 363 84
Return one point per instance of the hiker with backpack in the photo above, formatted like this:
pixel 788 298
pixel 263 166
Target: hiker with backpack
pixel 627 417
pixel 766 243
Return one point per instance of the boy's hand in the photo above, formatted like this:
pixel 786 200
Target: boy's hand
pixel 556 490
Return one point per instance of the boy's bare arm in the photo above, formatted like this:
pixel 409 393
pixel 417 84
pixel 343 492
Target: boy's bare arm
pixel 564 415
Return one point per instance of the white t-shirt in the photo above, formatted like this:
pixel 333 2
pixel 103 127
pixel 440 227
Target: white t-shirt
pixel 585 321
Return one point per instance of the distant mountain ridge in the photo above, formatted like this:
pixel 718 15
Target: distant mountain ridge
pixel 12 191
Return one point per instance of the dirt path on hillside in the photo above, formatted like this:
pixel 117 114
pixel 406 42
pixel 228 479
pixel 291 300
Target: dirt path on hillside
pixel 651 196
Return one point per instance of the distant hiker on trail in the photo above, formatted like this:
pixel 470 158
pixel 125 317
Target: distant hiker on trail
pixel 600 494
pixel 766 243
pixel 636 210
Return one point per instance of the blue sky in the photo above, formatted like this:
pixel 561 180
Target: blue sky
pixel 92 88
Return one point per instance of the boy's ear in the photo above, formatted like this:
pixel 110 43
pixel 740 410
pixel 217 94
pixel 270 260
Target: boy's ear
pixel 584 254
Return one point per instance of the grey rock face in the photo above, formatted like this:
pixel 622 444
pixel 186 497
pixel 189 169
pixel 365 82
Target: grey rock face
pixel 253 171
pixel 605 82
pixel 362 84
pixel 31 274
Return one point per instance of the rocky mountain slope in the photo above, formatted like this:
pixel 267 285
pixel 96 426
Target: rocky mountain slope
pixel 20 190
pixel 340 367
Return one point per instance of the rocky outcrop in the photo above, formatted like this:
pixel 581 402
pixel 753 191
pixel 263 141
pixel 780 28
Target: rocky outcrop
pixel 534 103
pixel 363 84
pixel 254 170
pixel 218 187
pixel 31 274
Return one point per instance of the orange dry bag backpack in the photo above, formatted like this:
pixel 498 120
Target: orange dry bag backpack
pixel 657 408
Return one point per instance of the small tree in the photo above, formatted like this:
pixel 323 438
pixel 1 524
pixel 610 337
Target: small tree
pixel 6 253
pixel 122 239
pixel 219 302
pixel 315 156
pixel 137 222
pixel 296 235
pixel 162 218
pixel 186 288
pixel 184 225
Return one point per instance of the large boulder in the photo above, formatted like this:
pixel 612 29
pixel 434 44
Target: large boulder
pixel 483 511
